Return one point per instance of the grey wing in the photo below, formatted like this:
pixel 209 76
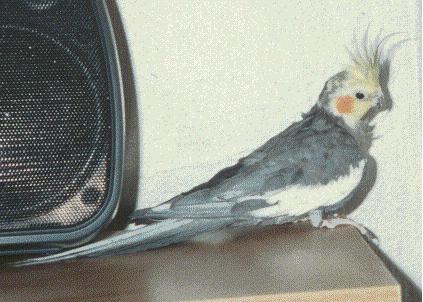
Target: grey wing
pixel 309 152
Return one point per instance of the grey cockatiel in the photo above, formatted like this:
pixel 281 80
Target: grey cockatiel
pixel 315 169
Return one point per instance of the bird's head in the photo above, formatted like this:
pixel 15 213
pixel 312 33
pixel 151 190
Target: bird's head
pixel 358 93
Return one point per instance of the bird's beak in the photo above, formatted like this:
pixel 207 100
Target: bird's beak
pixel 379 102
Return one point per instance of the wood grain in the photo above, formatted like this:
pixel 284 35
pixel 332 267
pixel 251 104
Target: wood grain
pixel 273 264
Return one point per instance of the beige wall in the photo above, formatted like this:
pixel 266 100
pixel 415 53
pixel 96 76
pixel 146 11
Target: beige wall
pixel 216 79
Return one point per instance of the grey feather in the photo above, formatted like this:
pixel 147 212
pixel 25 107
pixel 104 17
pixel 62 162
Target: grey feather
pixel 316 150
pixel 144 238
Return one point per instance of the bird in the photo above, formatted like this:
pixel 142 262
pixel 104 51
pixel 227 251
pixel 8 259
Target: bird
pixel 319 169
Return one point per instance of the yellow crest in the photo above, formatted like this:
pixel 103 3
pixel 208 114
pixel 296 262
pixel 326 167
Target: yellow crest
pixel 368 58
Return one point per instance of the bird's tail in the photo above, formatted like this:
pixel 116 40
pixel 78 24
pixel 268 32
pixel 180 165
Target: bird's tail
pixel 143 238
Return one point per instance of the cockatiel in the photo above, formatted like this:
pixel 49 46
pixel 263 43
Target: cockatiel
pixel 314 170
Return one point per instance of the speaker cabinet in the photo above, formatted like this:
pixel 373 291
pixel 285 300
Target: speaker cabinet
pixel 61 126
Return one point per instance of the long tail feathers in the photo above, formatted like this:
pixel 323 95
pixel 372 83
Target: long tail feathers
pixel 143 238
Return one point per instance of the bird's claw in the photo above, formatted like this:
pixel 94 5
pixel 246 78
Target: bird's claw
pixel 316 220
pixel 365 232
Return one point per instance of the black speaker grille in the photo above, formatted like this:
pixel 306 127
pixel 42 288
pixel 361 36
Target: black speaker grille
pixel 55 115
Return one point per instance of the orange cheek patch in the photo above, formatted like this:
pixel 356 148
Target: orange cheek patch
pixel 344 104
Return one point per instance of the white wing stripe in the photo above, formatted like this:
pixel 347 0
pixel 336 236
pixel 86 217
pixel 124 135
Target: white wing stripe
pixel 297 200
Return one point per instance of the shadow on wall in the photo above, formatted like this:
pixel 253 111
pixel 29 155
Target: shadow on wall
pixel 132 140
pixel 410 291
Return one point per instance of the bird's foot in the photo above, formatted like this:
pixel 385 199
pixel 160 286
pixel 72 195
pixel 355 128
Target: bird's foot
pixel 316 220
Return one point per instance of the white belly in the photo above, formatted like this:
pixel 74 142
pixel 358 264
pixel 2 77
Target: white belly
pixel 299 199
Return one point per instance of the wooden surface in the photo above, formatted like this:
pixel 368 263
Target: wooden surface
pixel 273 264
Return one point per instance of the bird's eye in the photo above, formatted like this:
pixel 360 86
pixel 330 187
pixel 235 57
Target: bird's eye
pixel 359 95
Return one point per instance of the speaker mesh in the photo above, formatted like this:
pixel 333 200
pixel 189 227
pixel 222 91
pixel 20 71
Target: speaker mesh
pixel 55 115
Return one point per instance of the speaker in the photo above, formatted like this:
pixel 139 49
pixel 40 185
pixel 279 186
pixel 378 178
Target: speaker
pixel 61 123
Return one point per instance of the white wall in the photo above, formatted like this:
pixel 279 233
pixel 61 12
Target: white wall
pixel 216 79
